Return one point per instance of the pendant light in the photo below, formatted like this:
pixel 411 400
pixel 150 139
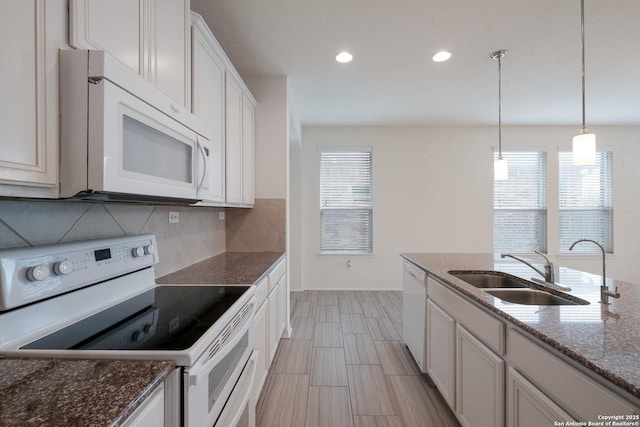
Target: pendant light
pixel 584 144
pixel 500 167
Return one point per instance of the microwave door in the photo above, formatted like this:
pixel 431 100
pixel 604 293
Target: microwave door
pixel 136 149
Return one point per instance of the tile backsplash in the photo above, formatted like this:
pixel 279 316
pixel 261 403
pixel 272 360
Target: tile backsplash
pixel 262 228
pixel 200 233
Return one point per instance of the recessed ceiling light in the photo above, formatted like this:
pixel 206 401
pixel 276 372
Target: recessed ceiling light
pixel 441 56
pixel 344 57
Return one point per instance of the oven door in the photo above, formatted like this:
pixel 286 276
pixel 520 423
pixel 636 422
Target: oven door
pixel 135 148
pixel 222 376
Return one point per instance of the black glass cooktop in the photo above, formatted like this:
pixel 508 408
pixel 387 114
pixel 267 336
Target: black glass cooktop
pixel 163 318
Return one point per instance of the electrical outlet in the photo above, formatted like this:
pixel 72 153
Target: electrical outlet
pixel 174 217
pixel 221 216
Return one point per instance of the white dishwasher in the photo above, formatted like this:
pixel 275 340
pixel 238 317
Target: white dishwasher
pixel 414 312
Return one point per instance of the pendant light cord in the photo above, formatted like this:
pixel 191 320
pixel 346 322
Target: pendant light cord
pixel 584 125
pixel 499 54
pixel 500 106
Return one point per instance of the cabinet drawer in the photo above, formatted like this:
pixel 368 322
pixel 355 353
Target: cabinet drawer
pixel 262 291
pixel 484 326
pixel 579 395
pixel 276 274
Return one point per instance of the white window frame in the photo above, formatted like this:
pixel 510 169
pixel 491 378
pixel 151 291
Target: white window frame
pixel 606 203
pixel 365 249
pixel 540 211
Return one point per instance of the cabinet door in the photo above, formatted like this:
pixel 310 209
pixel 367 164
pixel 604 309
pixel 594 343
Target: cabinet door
pixel 152 37
pixel 150 412
pixel 233 140
pixel 283 298
pixel 479 382
pixel 170 48
pixel 208 102
pixel 441 333
pixel 261 347
pixel 29 87
pixel 92 25
pixel 529 407
pixel 248 152
pixel 272 320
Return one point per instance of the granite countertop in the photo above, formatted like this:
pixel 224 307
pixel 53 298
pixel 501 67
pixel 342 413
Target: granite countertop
pixel 604 339
pixel 228 268
pixel 71 392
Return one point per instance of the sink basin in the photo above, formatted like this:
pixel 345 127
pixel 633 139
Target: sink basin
pixel 490 279
pixel 531 297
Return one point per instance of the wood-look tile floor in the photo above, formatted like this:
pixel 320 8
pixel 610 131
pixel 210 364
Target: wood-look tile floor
pixel 345 366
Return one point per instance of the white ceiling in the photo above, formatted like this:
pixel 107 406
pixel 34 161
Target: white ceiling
pixel 392 79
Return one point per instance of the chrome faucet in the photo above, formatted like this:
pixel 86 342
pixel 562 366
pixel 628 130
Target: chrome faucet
pixel 605 293
pixel 548 273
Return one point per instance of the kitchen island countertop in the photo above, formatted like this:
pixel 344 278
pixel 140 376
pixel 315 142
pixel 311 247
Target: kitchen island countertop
pixel 71 392
pixel 604 339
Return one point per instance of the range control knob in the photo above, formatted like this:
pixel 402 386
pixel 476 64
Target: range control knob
pixel 63 268
pixel 138 251
pixel 138 336
pixel 38 273
pixel 149 250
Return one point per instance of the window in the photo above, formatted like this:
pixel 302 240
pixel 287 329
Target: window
pixel 520 204
pixel 586 203
pixel 345 200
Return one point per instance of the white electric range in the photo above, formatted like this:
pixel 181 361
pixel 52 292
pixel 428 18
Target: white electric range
pixel 99 299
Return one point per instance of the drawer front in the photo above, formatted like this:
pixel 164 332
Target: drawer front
pixel 484 326
pixel 276 274
pixel 582 397
pixel 262 290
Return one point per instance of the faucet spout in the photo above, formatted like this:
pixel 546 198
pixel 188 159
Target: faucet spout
pixel 548 272
pixel 605 293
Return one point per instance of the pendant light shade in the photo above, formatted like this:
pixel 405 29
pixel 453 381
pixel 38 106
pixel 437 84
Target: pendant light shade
pixel 584 144
pixel 500 166
pixel 500 169
pixel 584 149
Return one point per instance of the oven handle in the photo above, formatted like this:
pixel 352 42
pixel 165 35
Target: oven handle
pixel 202 367
pixel 244 386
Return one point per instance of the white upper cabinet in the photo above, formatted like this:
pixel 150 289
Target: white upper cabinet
pixel 152 37
pixel 222 100
pixel 207 102
pixel 29 87
pixel 233 133
pixel 248 151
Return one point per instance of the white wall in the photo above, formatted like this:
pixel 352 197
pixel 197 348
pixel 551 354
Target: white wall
pixel 433 192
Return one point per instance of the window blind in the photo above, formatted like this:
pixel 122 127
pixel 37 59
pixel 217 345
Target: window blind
pixel 586 203
pixel 345 200
pixel 520 204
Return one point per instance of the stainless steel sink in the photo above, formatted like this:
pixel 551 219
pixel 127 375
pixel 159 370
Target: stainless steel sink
pixel 490 279
pixel 532 297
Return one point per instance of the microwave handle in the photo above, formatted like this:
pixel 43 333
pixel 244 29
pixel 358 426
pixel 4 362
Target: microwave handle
pixel 204 161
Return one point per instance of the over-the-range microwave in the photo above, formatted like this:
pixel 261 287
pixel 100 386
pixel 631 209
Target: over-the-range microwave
pixel 122 139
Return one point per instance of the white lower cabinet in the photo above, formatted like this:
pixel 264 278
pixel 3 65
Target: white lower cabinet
pixel 261 347
pixel 464 348
pixel 479 382
pixel 441 331
pixel 150 412
pixel 272 324
pixel 572 389
pixel 527 406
